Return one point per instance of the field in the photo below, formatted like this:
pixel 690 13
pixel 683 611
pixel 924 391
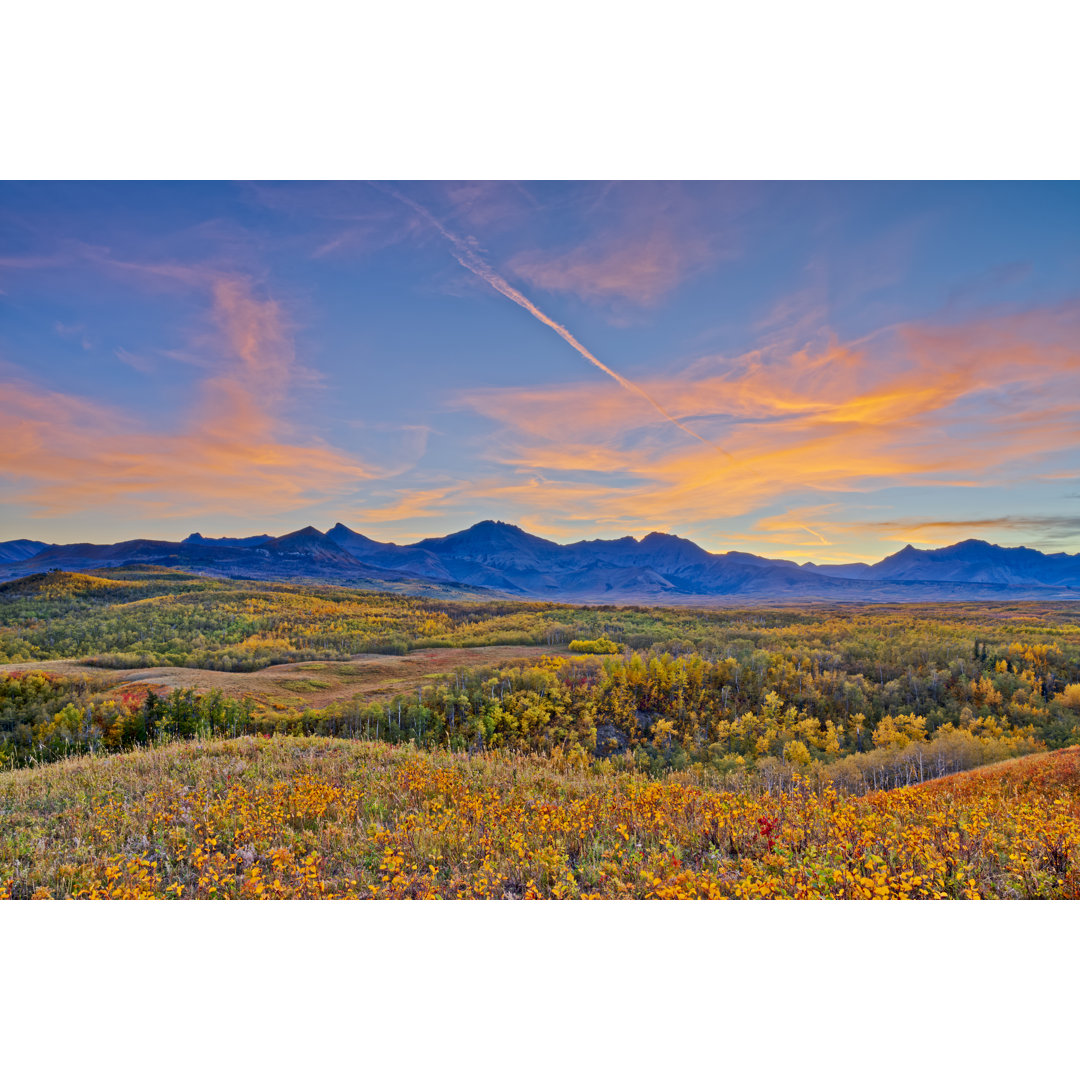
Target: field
pixel 314 683
pixel 316 817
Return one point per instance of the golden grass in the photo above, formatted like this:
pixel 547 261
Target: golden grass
pixel 371 677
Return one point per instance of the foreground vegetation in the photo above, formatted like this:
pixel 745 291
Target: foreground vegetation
pixel 316 817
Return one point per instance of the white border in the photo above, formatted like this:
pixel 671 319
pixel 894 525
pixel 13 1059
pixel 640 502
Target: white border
pixel 596 89
pixel 536 989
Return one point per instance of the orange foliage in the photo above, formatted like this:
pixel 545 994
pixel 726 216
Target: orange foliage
pixel 311 818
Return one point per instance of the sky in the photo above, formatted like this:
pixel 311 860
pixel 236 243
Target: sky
pixel 819 371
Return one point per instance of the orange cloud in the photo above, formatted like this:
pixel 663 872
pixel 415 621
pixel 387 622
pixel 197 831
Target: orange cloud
pixel 1050 528
pixel 429 502
pixel 63 453
pixel 958 406
pixel 788 527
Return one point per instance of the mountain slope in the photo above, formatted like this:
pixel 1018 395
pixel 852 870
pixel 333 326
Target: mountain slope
pixel 659 568
pixel 297 555
pixel 227 541
pixel 17 550
pixel 978 561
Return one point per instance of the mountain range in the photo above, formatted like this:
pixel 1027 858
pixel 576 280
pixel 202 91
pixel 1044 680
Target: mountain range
pixel 504 560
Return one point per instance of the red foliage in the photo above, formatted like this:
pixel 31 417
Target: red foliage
pixel 765 828
pixel 132 696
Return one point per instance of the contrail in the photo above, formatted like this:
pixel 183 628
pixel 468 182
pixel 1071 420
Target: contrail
pixel 812 532
pixel 472 262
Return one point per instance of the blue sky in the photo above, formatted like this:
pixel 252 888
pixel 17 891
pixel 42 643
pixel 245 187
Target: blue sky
pixel 818 371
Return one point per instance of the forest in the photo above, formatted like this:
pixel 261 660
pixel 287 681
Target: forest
pixel 862 697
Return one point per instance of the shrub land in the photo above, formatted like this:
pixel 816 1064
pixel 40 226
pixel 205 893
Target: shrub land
pixel 318 817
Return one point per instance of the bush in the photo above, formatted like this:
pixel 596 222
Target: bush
pixel 596 646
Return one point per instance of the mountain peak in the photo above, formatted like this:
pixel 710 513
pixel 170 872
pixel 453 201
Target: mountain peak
pixel 342 530
pixel 669 542
pixel 308 532
pixel 17 550
pixel 488 525
pixel 197 539
pixel 351 540
pixel 487 532
pixel 974 545
pixel 494 544
pixel 657 539
pixel 492 554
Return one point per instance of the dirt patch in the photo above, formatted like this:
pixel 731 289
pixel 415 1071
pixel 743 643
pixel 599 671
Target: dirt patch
pixel 367 677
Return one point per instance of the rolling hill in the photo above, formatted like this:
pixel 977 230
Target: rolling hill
pixel 300 818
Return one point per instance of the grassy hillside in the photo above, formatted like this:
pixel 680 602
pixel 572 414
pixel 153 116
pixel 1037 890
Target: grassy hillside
pixel 317 817
pixel 148 616
pixel 145 617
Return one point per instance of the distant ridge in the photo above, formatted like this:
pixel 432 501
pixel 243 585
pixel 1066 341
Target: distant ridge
pixel 227 541
pixel 504 559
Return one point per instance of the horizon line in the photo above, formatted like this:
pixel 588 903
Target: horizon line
pixel 510 524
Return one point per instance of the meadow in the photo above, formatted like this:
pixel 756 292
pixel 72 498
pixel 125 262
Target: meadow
pixel 319 818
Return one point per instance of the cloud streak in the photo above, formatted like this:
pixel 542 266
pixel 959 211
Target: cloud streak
pixel 466 255
pixel 1050 528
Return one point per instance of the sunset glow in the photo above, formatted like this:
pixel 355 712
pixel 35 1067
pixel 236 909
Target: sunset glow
pixel 810 371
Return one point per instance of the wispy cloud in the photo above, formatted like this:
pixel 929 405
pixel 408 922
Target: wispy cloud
pixel 76 332
pixel 408 505
pixel 1046 528
pixel 656 237
pixel 642 269
pixel 232 452
pixel 833 523
pixel 138 363
pixel 956 406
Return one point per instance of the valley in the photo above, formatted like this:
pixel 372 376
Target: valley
pixel 860 696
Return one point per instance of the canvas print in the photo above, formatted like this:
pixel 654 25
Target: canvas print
pixel 539 540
